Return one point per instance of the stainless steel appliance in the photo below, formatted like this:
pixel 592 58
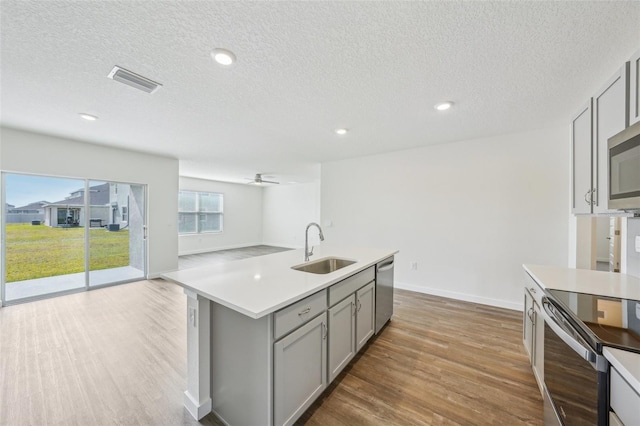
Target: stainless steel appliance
pixel 576 374
pixel 624 169
pixel 384 292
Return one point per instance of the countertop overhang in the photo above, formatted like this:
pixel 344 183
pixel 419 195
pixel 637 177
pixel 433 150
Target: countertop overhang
pixel 261 285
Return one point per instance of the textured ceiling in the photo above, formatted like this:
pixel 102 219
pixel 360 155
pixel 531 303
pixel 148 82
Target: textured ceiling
pixel 303 69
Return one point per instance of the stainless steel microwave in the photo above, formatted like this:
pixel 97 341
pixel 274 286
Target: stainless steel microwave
pixel 624 169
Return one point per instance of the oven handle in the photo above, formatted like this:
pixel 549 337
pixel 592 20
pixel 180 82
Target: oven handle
pixel 550 319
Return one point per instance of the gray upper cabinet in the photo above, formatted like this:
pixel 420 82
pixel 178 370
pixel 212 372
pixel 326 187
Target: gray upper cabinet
pixel 581 143
pixel 342 335
pixel 610 116
pixel 634 88
pixel 300 370
pixel 366 314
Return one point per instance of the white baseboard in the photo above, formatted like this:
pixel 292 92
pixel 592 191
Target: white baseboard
pixel 461 296
pixel 212 249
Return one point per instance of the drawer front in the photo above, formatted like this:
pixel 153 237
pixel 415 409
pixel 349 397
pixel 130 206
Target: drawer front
pixel 293 316
pixel 346 287
pixel 624 400
pixel 534 289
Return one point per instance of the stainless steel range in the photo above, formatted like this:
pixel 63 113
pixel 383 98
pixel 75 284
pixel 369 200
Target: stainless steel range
pixel 577 326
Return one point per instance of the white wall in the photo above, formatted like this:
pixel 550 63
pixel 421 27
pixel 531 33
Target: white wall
pixel 287 210
pixel 469 213
pixel 26 152
pixel 242 220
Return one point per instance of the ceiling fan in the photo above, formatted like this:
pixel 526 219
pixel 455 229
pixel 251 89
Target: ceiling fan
pixel 257 180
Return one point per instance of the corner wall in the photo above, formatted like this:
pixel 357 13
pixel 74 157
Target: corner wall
pixel 287 210
pixel 468 213
pixel 242 217
pixel 34 153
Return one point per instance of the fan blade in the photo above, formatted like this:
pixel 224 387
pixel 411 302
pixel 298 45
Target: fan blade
pixel 270 181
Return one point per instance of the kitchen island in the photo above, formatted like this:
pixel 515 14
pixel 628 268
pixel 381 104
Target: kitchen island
pixel 264 340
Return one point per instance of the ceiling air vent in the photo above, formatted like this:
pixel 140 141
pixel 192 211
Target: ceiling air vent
pixel 134 80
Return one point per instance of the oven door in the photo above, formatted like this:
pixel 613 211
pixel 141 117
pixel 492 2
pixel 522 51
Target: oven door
pixel 575 376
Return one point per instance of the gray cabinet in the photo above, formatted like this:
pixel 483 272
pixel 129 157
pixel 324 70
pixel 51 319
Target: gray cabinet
pixel 527 324
pixel 342 335
pixel 624 399
pixel 300 370
pixel 634 88
pixel 581 143
pixel 604 115
pixel 533 328
pixel 366 315
pixel 610 116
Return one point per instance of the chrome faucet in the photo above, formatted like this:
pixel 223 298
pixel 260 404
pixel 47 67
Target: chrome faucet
pixel 308 252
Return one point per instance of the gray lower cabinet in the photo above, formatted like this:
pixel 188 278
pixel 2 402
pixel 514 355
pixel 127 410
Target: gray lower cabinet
pixel 366 314
pixel 533 328
pixel 634 89
pixel 300 370
pixel 342 335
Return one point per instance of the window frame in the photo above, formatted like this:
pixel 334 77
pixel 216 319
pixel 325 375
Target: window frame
pixel 197 212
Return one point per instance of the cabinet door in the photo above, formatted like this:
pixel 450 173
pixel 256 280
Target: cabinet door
pixel 538 346
pixel 365 316
pixel 300 370
pixel 610 116
pixel 634 89
pixel 581 143
pixel 342 335
pixel 527 324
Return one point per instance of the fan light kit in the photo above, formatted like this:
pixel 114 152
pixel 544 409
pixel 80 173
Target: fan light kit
pixel 223 56
pixel 443 106
pixel 342 131
pixel 88 117
pixel 257 180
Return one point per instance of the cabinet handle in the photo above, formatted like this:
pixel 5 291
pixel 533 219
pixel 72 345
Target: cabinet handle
pixel 353 310
pixel 532 290
pixel 359 305
pixel 530 315
pixel 585 197
pixel 304 311
pixel 593 192
pixel 324 331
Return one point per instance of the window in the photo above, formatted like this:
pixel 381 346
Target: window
pixel 124 213
pixel 199 212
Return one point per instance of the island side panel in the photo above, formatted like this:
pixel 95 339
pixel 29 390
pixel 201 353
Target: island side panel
pixel 241 367
pixel 197 397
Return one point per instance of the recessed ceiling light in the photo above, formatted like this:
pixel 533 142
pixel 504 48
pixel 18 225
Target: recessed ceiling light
pixel 223 56
pixel 342 131
pixel 443 106
pixel 88 117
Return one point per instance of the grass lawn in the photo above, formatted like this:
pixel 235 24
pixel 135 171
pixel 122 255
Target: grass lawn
pixel 41 251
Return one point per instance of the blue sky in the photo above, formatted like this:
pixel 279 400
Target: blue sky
pixel 24 189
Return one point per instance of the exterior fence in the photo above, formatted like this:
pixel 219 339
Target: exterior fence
pixel 23 217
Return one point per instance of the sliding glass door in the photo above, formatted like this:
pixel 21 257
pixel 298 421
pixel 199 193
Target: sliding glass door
pixel 58 240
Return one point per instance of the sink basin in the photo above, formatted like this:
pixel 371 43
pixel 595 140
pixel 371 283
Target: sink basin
pixel 324 266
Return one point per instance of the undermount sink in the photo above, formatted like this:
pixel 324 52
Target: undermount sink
pixel 324 266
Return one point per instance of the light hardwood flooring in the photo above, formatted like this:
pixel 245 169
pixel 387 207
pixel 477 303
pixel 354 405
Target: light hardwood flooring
pixel 117 356
pixel 220 256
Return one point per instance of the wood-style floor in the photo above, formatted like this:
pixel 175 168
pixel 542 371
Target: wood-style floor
pixel 221 256
pixel 117 356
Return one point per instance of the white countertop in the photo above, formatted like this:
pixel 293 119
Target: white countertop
pixel 261 285
pixel 601 284
pixel 586 281
pixel 627 364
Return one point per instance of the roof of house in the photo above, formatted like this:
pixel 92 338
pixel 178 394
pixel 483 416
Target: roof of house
pixel 33 206
pixel 98 196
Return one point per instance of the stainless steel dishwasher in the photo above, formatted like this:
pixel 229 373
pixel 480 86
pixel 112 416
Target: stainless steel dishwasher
pixel 384 292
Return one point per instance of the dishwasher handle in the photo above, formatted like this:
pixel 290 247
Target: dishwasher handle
pixel 564 333
pixel 385 266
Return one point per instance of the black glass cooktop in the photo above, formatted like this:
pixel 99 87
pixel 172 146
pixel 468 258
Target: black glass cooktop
pixel 607 321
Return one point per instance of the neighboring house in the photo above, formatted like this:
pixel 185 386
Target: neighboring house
pixel 106 206
pixel 25 214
